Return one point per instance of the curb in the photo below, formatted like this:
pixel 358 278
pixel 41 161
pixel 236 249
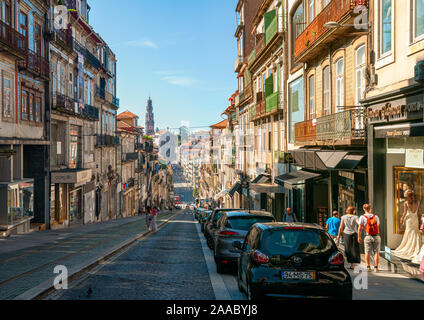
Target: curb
pixel 44 289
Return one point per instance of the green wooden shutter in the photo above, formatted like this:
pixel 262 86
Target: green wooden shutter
pixel 269 85
pixel 269 16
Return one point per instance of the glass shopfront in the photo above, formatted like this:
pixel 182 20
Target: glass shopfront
pixel 75 206
pixel 20 202
pixel 405 179
pixel 346 191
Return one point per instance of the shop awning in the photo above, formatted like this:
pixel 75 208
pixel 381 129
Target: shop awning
pixel 324 160
pixel 262 178
pixel 298 178
pixel 221 194
pixel 235 188
pixel 266 188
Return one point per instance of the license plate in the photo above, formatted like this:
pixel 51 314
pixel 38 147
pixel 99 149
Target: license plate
pixel 298 275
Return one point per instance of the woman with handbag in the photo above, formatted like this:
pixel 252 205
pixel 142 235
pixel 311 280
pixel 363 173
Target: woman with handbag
pixel 349 229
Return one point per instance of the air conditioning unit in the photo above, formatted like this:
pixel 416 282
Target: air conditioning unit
pixel 419 72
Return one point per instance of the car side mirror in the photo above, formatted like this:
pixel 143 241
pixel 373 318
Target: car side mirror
pixel 237 245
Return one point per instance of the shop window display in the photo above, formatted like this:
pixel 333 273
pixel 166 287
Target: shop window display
pixel 408 196
pixel 20 202
pixel 405 179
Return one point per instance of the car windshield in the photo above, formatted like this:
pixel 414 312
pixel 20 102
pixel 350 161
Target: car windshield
pixel 216 216
pixel 244 223
pixel 288 242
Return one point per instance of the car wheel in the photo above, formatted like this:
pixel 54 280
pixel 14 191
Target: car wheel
pixel 220 268
pixel 251 295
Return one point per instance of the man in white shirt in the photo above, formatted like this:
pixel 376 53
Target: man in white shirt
pixel 370 223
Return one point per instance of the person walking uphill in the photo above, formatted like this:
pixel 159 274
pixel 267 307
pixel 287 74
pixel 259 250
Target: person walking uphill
pixel 349 228
pixel 153 225
pixel 289 216
pixel 370 223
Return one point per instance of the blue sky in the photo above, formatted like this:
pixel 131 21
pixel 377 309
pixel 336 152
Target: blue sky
pixel 181 52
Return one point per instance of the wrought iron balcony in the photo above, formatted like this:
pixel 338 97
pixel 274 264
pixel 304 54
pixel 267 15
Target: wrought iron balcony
pixel 70 106
pixel 90 112
pixel 65 39
pixel 35 64
pixel 316 37
pixel 89 57
pixel 12 41
pixel 107 140
pixel 100 92
pixel 130 156
pixel 115 101
pixel 342 128
pixel 239 63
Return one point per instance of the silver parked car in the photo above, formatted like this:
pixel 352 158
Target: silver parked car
pixel 233 226
pixel 212 227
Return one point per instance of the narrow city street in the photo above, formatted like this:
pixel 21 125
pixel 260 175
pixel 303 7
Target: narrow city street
pixel 175 264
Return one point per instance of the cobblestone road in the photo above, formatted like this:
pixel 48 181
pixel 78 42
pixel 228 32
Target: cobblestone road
pixel 167 265
pixel 24 265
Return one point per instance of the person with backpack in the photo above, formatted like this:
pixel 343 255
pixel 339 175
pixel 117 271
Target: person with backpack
pixel 370 223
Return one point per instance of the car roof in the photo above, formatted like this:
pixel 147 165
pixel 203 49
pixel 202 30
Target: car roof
pixel 225 209
pixel 242 213
pixel 280 225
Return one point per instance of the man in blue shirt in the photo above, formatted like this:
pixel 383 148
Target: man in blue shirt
pixel 333 224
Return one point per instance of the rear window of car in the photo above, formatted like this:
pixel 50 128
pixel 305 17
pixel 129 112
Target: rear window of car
pixel 244 223
pixel 217 215
pixel 288 242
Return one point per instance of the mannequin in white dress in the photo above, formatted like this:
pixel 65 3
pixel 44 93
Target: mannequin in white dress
pixel 412 239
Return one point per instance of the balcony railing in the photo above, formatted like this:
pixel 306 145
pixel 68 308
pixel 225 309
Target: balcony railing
pixel 89 57
pixel 343 127
pixel 36 64
pixel 115 101
pixel 69 105
pixel 13 39
pixel 100 92
pixel 272 102
pixel 65 36
pixel 107 140
pixel 90 112
pixel 336 10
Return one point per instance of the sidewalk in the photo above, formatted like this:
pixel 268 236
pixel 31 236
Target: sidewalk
pixel 28 261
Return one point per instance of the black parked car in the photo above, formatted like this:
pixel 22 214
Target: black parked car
pixel 212 227
pixel 291 260
pixel 234 226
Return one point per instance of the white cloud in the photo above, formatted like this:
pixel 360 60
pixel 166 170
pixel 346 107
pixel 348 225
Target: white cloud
pixel 142 44
pixel 180 81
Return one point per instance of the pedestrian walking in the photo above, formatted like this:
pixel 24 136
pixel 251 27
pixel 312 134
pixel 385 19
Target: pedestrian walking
pixel 153 225
pixel 148 217
pixel 332 225
pixel 349 229
pixel 289 216
pixel 370 223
